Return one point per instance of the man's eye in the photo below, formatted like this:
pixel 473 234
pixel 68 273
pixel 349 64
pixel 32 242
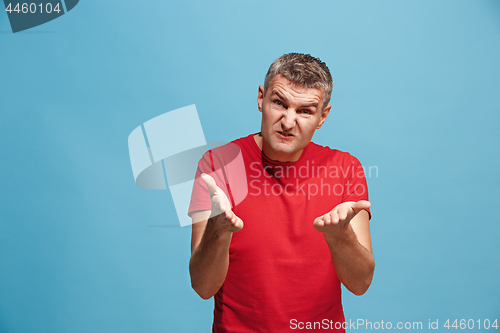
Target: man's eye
pixel 305 111
pixel 277 102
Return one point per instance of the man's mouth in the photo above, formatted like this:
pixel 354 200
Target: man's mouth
pixel 285 134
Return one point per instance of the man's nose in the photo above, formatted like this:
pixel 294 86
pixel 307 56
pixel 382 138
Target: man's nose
pixel 288 119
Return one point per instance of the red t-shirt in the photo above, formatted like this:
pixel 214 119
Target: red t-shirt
pixel 280 277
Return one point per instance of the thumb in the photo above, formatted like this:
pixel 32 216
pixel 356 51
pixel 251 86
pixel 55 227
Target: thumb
pixel 210 182
pixel 360 205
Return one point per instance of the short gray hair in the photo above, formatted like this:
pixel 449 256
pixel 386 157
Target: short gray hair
pixel 303 70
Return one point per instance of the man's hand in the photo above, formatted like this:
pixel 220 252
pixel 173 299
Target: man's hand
pixel 221 207
pixel 210 242
pixel 337 220
pixel 347 232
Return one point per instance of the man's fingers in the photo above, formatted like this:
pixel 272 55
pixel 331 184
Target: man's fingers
pixel 210 182
pixel 215 192
pixel 343 213
pixel 360 205
pixel 335 216
pixel 238 224
pixel 228 220
pixel 221 205
pixel 231 217
pixel 340 215
pixel 319 222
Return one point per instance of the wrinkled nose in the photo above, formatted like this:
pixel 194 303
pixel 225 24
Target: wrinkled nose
pixel 288 120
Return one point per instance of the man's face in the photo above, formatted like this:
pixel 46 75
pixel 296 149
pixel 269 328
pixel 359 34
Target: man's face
pixel 290 115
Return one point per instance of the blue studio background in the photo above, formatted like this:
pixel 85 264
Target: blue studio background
pixel 84 249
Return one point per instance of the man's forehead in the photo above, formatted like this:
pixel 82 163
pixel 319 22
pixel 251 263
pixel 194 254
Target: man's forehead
pixel 283 88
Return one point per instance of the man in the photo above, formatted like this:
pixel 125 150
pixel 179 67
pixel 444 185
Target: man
pixel 275 260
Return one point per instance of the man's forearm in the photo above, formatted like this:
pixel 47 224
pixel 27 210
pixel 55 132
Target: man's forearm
pixel 210 260
pixel 353 263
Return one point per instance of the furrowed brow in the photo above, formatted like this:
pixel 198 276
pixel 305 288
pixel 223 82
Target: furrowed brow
pixel 310 104
pixel 279 95
pixel 283 98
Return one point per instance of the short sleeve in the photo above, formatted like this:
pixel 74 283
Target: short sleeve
pixel 200 198
pixel 355 186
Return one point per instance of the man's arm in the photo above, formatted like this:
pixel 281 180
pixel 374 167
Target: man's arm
pixel 347 232
pixel 210 242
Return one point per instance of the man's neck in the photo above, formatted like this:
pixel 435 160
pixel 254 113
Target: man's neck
pixel 259 140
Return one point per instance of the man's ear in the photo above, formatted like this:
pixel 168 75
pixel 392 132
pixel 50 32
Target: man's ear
pixel 260 97
pixel 324 115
